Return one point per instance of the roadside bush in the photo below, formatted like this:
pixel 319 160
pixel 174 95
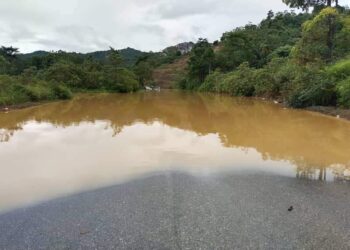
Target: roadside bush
pixel 120 80
pixel 16 93
pixel 340 70
pixel 92 80
pixel 311 87
pixel 240 82
pixel 181 83
pixel 264 83
pixel 5 81
pixel 4 65
pixel 340 73
pixel 188 84
pixel 62 92
pixel 39 92
pixel 343 90
pixel 127 81
pixel 270 80
pixel 67 73
pixel 212 82
pixel 13 91
pixel 314 95
pixel 3 100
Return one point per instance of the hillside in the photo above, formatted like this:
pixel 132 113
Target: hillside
pixel 38 53
pixel 166 75
pixel 129 55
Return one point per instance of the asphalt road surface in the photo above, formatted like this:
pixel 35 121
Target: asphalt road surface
pixel 179 211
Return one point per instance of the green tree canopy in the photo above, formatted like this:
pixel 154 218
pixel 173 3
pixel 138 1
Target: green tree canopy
pixel 114 57
pixel 255 44
pixel 201 60
pixel 306 4
pixel 143 70
pixel 4 64
pixel 9 52
pixel 325 37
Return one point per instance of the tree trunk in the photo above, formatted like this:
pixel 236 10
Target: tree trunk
pixel 307 7
pixel 330 37
pixel 320 175
pixel 329 3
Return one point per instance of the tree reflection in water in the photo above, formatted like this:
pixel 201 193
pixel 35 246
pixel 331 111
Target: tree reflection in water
pixel 317 145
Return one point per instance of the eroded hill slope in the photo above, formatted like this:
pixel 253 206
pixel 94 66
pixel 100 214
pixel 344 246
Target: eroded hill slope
pixel 166 75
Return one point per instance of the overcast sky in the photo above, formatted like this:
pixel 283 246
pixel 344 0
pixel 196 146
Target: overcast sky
pixel 89 25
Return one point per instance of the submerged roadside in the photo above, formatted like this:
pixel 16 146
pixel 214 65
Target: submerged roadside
pixel 334 111
pixel 331 111
pixel 325 110
pixel 28 104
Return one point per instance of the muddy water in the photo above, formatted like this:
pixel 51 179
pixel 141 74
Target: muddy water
pixel 98 140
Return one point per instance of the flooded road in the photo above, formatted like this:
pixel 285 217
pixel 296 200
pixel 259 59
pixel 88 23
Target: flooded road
pixel 99 140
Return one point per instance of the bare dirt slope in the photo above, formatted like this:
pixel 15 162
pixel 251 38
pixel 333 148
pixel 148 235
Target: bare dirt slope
pixel 166 75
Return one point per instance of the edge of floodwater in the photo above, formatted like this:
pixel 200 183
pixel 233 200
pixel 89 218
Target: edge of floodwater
pixel 6 108
pixel 330 111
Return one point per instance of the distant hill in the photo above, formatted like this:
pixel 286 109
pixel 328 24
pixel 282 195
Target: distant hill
pixel 129 55
pixel 34 54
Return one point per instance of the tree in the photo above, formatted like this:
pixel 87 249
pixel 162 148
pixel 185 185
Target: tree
pixel 9 53
pixel 67 73
pixel 306 4
pixel 114 57
pixel 144 72
pixel 114 61
pixel 201 60
pixel 10 63
pixel 324 37
pixel 4 64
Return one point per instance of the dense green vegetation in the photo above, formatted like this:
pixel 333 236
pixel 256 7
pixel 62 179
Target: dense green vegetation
pixel 129 55
pixel 49 76
pixel 300 59
pixel 42 75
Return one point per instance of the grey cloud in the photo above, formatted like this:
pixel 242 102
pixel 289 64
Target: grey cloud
pixel 74 38
pixel 176 9
pixel 151 28
pixel 86 25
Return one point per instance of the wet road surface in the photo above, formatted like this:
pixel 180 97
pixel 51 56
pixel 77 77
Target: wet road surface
pixel 172 210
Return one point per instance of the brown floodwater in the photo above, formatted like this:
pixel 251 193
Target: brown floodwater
pixel 97 140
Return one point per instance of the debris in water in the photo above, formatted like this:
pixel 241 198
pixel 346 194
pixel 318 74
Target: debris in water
pixel 152 88
pixel 83 232
pixel 290 209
